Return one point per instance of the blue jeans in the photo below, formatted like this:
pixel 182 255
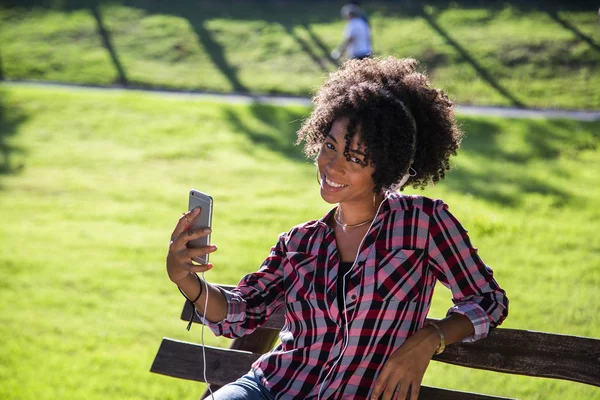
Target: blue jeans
pixel 248 387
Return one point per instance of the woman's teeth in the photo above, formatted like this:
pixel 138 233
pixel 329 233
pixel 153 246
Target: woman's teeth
pixel 334 184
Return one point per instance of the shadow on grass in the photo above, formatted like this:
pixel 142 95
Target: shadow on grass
pixel 293 13
pixel 197 17
pixel 567 25
pixel 543 142
pixel 321 61
pixel 270 127
pixel 481 71
pixel 217 55
pixel 11 156
pixel 319 43
pixel 106 40
pixel 288 14
pixel 412 7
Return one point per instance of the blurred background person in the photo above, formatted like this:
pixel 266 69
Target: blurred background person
pixel 357 34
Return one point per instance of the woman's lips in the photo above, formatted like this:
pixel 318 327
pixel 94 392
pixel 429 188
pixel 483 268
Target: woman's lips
pixel 332 186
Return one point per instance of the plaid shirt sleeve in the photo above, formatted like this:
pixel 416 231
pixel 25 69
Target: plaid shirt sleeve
pixel 255 299
pixel 475 293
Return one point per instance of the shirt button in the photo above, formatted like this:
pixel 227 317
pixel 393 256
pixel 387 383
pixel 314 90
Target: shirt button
pixel 353 297
pixel 361 263
pixel 331 294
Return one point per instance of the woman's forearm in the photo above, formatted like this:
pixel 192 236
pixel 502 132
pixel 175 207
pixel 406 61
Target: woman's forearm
pixel 454 327
pixel 217 304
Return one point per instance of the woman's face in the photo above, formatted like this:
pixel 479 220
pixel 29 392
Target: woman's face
pixel 344 181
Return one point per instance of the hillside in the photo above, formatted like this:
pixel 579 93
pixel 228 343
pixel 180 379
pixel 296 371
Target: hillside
pixel 513 53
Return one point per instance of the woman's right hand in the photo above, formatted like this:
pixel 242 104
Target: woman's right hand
pixel 179 257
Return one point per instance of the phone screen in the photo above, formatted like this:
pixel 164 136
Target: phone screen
pixel 203 220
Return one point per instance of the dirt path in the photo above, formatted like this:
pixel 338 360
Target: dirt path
pixel 506 112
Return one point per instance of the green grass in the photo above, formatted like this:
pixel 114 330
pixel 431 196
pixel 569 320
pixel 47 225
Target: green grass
pixel 490 53
pixel 91 184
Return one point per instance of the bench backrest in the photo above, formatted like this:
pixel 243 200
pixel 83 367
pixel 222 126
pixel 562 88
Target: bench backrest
pixel 510 351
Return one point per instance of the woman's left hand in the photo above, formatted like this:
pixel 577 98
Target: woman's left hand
pixel 406 366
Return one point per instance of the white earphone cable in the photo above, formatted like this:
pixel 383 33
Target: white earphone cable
pixel 202 338
pixel 347 336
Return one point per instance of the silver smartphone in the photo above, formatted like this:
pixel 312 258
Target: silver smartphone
pixel 203 220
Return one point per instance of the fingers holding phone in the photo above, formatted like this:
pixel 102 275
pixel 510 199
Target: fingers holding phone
pixel 183 224
pixel 198 253
pixel 190 241
pixel 181 260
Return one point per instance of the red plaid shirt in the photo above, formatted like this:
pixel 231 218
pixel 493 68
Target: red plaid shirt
pixel 412 243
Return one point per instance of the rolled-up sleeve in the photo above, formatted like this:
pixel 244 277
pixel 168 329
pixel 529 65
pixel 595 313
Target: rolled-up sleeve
pixel 254 299
pixel 475 292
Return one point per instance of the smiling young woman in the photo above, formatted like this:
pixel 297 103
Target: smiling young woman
pixel 357 283
pixel 347 181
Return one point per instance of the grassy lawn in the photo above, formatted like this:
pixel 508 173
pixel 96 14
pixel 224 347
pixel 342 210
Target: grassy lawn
pixel 91 184
pixel 510 53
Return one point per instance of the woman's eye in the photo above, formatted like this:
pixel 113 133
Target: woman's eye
pixel 356 160
pixel 330 146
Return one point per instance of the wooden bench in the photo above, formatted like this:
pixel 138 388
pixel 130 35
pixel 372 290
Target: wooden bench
pixel 510 351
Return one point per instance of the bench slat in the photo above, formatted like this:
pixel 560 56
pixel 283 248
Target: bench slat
pixel 539 354
pixel 184 360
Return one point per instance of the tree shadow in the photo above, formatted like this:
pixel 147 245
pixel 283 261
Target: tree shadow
pixel 322 61
pixel 217 55
pixel 94 7
pixel 1 69
pixel 11 155
pixel 202 12
pixel 483 73
pixel 319 43
pixel 542 141
pixel 567 25
pixel 292 14
pixel 285 14
pixel 106 40
pixel 196 16
pixel 412 7
pixel 270 127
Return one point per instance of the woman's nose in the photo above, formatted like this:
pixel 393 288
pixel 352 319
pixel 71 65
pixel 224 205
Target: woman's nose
pixel 335 163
